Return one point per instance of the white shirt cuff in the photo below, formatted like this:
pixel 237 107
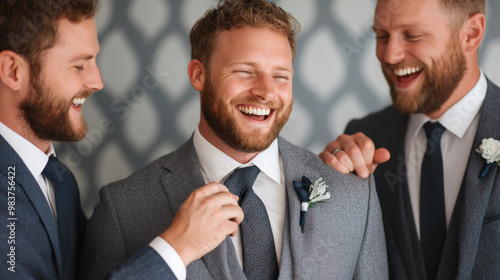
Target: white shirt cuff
pixel 170 256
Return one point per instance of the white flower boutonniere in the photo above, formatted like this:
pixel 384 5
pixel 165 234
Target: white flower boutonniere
pixel 310 195
pixel 318 193
pixel 490 150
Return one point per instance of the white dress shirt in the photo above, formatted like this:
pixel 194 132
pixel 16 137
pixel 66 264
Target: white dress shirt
pixel 461 122
pixel 216 166
pixel 35 160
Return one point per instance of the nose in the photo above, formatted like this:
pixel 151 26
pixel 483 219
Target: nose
pixel 393 51
pixel 94 80
pixel 264 87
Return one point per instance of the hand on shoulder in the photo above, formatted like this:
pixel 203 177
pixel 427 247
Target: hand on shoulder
pixel 349 153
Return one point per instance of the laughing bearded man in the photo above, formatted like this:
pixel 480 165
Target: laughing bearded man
pixel 47 69
pixel 242 56
pixel 441 211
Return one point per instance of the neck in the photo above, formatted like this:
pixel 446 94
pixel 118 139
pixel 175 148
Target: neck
pixel 239 156
pixel 23 129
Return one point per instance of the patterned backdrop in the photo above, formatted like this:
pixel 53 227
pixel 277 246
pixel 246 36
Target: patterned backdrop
pixel 148 108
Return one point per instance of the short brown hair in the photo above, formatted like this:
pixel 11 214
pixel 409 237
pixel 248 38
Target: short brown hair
pixel 29 27
pixel 461 10
pixel 237 14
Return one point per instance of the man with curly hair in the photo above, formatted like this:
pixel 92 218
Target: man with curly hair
pixel 242 56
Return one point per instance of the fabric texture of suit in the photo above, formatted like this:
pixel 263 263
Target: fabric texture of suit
pixel 472 244
pixel 33 231
pixel 343 237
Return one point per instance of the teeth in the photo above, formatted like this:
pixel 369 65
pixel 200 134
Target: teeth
pixel 78 101
pixel 255 111
pixel 407 71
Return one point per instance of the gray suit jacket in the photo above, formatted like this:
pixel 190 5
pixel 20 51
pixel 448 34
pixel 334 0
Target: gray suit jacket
pixel 472 248
pixel 343 237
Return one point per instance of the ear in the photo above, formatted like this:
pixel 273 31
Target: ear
pixel 473 32
pixel 197 74
pixel 13 68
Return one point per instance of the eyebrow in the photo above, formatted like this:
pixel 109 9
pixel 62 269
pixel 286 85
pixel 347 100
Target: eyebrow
pixel 412 25
pixel 281 68
pixel 253 64
pixel 83 57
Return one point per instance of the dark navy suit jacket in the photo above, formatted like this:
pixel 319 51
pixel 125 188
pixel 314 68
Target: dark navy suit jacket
pixel 472 248
pixel 29 243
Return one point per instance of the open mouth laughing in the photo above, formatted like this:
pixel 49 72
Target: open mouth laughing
pixel 255 113
pixel 77 102
pixel 405 76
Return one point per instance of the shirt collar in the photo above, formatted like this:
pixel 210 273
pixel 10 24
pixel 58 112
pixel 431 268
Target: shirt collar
pixel 30 154
pixel 460 116
pixel 217 165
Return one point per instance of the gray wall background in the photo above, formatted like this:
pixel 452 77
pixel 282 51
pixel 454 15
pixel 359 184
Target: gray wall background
pixel 148 108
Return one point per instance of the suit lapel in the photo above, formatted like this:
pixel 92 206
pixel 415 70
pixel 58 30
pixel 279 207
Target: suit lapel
pixel 25 180
pixel 181 178
pixel 392 188
pixel 294 168
pixel 222 262
pixel 467 220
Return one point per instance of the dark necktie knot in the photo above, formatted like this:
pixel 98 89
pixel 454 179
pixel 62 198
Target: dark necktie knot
pixel 56 172
pixel 433 132
pixel 241 180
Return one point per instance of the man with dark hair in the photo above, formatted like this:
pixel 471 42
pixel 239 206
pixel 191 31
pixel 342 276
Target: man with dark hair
pixel 48 68
pixel 440 197
pixel 242 67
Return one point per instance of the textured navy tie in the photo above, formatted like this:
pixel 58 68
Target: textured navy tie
pixel 65 188
pixel 432 207
pixel 259 254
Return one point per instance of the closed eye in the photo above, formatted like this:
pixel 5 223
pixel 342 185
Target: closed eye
pixel 382 38
pixel 281 79
pixel 243 73
pixel 413 37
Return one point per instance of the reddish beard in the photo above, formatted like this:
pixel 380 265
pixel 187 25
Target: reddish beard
pixel 218 116
pixel 440 81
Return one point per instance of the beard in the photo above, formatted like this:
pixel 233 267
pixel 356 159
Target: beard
pixel 440 81
pixel 218 116
pixel 47 114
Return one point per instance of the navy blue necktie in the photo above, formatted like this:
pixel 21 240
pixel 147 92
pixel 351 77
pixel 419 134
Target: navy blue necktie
pixel 432 207
pixel 65 187
pixel 259 254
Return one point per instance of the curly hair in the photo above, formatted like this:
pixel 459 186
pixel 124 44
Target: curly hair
pixel 237 14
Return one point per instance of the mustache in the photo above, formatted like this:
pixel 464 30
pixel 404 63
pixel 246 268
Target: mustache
pixel 403 64
pixel 84 94
pixel 257 102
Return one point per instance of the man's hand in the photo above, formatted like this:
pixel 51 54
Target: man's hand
pixel 208 215
pixel 354 153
